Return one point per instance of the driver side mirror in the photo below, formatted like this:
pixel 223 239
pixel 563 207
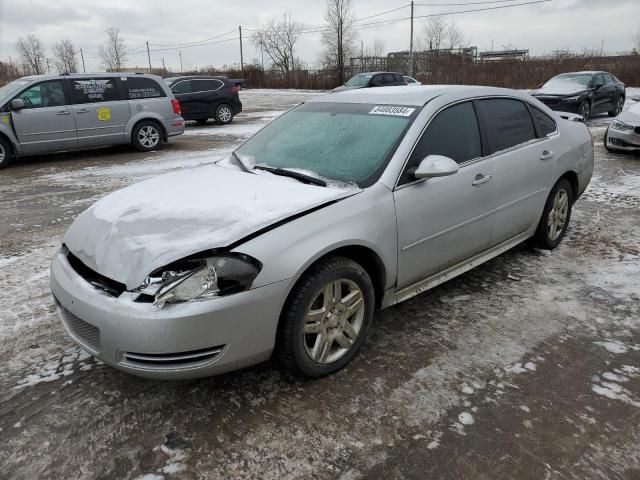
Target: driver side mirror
pixel 17 104
pixel 436 166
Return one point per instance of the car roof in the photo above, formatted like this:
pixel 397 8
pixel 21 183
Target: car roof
pixel 586 72
pixel 197 77
pixel 414 96
pixel 89 75
pixel 376 73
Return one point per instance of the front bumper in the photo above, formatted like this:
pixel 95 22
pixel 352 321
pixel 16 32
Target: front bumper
pixel 628 140
pixel 558 104
pixel 189 340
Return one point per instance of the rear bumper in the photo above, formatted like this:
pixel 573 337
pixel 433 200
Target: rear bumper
pixel 174 126
pixel 189 340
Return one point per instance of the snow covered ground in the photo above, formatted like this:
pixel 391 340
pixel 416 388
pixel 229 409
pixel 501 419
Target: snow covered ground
pixel 525 367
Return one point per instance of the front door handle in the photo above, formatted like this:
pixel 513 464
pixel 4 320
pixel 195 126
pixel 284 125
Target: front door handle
pixel 481 179
pixel 64 112
pixel 546 155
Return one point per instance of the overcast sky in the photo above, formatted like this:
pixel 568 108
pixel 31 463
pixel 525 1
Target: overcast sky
pixel 544 27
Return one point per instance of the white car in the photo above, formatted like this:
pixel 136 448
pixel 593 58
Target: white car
pixel 623 135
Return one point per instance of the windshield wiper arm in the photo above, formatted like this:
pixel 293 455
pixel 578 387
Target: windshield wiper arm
pixel 293 174
pixel 239 161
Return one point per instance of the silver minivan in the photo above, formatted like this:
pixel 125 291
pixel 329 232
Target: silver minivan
pixel 53 113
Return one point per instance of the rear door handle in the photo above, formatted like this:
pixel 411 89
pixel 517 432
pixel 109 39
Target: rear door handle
pixel 481 179
pixel 546 155
pixel 82 110
pixel 64 112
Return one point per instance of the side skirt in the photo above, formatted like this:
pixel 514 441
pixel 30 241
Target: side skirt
pixel 391 297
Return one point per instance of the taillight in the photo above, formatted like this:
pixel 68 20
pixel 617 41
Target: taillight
pixel 235 89
pixel 176 106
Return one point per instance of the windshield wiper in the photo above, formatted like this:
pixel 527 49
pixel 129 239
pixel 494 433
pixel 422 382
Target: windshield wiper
pixel 293 174
pixel 239 161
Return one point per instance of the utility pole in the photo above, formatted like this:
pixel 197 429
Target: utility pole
pixel 164 68
pixel 261 56
pixel 149 57
pixel 48 68
pixel 241 58
pixel 411 44
pixel 84 69
pixel 180 53
pixel 361 56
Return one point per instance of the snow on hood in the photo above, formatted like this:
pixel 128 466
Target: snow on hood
pixel 567 91
pixel 631 116
pixel 131 232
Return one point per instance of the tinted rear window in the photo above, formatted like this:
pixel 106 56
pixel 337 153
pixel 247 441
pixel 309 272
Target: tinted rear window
pixel 206 85
pixel 546 125
pixel 507 121
pixel 142 87
pixel 93 90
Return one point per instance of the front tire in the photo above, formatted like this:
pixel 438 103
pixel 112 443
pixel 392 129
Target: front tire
pixel 147 136
pixel 555 216
pixel 326 318
pixel 585 109
pixel 224 114
pixel 6 153
pixel 618 108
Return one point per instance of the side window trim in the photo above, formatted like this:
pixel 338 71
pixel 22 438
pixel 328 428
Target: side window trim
pixel 489 153
pixel 67 98
pixel 178 83
pixel 536 123
pixel 472 101
pixel 206 80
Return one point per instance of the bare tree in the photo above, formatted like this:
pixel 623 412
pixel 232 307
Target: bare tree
pixel 340 34
pixel 113 52
pixel 31 54
pixel 65 56
pixel 377 50
pixel 435 32
pixel 277 38
pixel 455 37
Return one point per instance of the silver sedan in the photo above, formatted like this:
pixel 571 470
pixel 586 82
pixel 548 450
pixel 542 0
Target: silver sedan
pixel 346 204
pixel 623 135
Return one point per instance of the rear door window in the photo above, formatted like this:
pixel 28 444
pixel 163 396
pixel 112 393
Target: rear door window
pixel 45 94
pixel 388 79
pixel 546 124
pixel 141 87
pixel 183 86
pixel 207 85
pixel 454 133
pixel 507 121
pixel 94 90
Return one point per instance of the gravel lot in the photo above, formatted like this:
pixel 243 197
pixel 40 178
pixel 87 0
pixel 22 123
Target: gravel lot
pixel 526 367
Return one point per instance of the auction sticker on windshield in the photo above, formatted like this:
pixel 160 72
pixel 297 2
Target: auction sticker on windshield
pixel 391 110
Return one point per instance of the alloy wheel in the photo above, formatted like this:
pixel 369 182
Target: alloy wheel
pixel 558 215
pixel 2 153
pixel 333 321
pixel 148 136
pixel 224 114
pixel 620 106
pixel 585 110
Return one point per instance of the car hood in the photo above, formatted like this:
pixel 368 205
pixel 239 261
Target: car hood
pixel 567 91
pixel 134 231
pixel 344 87
pixel 631 116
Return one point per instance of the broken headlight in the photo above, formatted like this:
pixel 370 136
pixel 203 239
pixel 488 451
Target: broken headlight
pixel 200 279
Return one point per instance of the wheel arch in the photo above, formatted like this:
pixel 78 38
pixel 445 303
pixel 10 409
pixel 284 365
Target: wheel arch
pixel 12 144
pixel 572 177
pixel 134 122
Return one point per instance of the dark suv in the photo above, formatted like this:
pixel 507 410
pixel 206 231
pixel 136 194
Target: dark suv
pixel 373 79
pixel 203 97
pixel 585 93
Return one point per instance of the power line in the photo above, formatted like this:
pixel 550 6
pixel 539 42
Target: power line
pixel 191 46
pixel 184 45
pixel 460 4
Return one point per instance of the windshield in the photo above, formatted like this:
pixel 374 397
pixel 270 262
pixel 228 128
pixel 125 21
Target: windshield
pixel 359 81
pixel 579 80
pixel 11 89
pixel 338 141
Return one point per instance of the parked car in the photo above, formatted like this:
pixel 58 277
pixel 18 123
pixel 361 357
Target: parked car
pixel 623 134
pixel 585 93
pixel 345 204
pixel 372 79
pixel 203 97
pixel 54 113
pixel 412 82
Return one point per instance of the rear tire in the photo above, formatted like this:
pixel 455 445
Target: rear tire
pixel 224 114
pixel 555 216
pixel 146 136
pixel 326 318
pixel 618 108
pixel 6 153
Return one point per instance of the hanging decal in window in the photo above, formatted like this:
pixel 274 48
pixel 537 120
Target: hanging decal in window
pixel 391 110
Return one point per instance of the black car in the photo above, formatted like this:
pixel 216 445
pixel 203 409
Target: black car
pixel 373 79
pixel 585 93
pixel 203 97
